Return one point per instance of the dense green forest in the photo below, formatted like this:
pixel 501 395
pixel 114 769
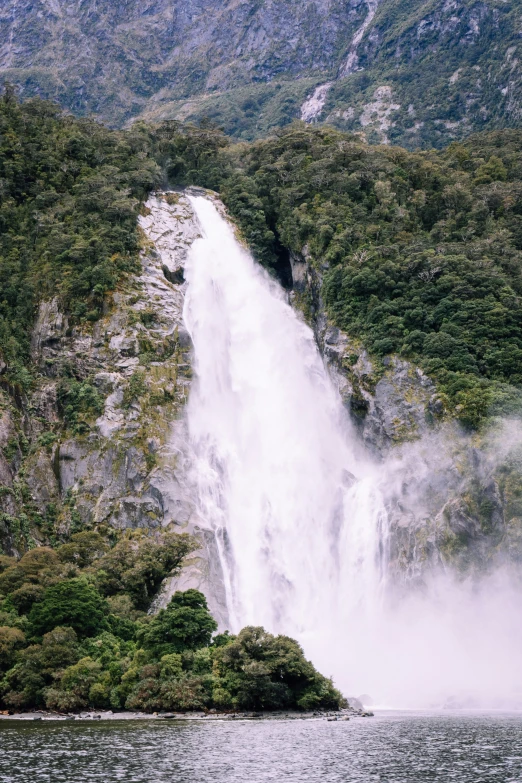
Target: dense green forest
pixel 75 633
pixel 420 252
pixel 416 254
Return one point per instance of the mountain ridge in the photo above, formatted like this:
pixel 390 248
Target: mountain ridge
pixel 397 72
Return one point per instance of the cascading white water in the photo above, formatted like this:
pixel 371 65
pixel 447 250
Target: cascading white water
pixel 275 460
pixel 297 511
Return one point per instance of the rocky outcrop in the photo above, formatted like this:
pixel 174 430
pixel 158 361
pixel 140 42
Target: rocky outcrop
pixel 451 496
pixel 122 466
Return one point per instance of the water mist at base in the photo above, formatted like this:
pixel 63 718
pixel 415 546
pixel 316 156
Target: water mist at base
pixel 298 510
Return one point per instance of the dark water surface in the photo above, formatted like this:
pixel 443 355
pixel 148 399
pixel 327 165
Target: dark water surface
pixel 390 748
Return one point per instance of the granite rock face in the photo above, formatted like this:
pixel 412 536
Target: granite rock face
pixel 452 497
pixel 126 469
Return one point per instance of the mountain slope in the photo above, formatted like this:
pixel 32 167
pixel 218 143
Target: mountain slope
pixel 114 57
pixel 404 72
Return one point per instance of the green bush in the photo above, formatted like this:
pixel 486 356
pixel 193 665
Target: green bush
pixel 257 670
pixel 11 639
pixel 79 402
pixel 23 685
pixel 73 603
pixel 186 624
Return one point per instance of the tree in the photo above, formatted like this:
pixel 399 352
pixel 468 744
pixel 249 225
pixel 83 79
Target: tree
pixel 138 566
pixel 73 603
pixel 260 671
pixel 23 685
pixel 186 624
pixel 83 548
pixel 11 639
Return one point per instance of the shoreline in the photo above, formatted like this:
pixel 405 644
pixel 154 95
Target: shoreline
pixel 201 717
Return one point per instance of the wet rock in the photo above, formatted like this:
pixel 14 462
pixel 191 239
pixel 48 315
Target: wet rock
pixel 354 704
pixel 43 404
pixel 176 278
pixel 6 475
pixel 125 346
pixel 48 332
pixel 41 480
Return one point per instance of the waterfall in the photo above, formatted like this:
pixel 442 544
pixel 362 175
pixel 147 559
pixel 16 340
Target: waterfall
pixel 300 530
pixel 298 511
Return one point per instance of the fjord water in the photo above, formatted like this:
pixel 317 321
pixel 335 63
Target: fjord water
pixel 298 509
pixel 390 748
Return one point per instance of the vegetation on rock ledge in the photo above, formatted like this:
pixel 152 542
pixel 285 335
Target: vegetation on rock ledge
pixel 420 252
pixel 74 634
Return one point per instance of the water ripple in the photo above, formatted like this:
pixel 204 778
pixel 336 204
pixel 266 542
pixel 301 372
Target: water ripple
pixel 391 748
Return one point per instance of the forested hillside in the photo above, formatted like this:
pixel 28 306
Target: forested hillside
pixel 420 253
pixel 414 254
pixel 70 197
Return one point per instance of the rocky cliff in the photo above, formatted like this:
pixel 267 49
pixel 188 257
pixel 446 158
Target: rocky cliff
pixel 125 468
pixel 453 498
pixel 395 70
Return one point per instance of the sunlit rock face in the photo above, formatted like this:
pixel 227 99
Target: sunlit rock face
pixel 397 73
